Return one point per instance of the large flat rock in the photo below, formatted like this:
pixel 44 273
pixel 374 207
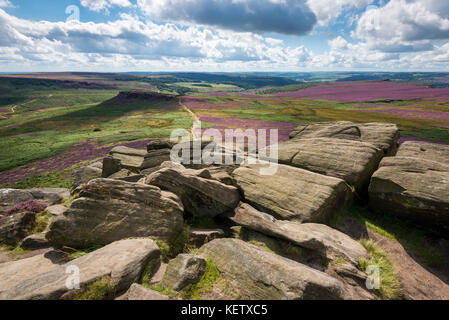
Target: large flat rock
pixel 122 262
pixel 328 242
pixel 383 135
pixel 414 184
pixel 130 158
pixel 199 192
pixel 351 160
pixel 259 274
pixel 292 193
pixel 15 272
pixel 111 210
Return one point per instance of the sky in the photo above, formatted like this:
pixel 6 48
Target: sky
pixel 224 35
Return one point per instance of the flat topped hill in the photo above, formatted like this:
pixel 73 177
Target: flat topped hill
pixel 131 96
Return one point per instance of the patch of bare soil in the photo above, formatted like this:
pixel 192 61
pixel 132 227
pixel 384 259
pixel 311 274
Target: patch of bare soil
pixel 419 282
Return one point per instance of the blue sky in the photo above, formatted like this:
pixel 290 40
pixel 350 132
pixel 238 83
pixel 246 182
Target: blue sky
pixel 224 35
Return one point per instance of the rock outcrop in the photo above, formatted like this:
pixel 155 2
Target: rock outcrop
pixel 292 193
pixel 130 158
pixel 328 242
pixel 383 135
pixel 111 210
pixel 121 263
pixel 258 274
pixel 184 270
pixel 199 192
pixel 414 185
pixel 85 174
pixel 351 160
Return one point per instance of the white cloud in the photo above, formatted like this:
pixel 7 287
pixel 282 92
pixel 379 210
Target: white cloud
pixel 99 5
pixel 328 11
pixel 259 16
pixel 405 25
pixel 5 4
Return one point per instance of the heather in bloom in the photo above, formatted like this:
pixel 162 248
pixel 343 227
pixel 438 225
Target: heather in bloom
pixel 369 91
pixel 30 206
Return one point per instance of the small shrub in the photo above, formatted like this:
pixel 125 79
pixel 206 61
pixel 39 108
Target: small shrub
pixel 31 206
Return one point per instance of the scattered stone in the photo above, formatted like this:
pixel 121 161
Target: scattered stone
pixel 384 136
pixel 198 191
pixel 292 193
pixel 328 242
pixel 158 274
pixel 138 292
pixel 15 227
pixel 111 210
pixel 35 242
pixel 122 262
pixel 85 174
pixel 414 184
pixel 199 237
pixel 14 272
pixel 185 269
pixel 258 274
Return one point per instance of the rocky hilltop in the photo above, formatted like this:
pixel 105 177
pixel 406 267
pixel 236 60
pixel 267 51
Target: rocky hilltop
pixel 140 227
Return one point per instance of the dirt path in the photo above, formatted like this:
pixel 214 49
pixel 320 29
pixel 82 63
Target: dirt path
pixel 418 282
pixel 196 122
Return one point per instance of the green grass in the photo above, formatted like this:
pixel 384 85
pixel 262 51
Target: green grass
pixel 51 180
pixel 82 253
pixel 416 240
pixel 169 292
pixel 211 277
pixel 101 289
pixel 390 286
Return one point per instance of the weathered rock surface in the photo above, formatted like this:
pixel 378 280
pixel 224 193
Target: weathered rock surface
pixel 159 144
pixel 198 191
pixel 351 160
pixel 85 174
pixel 122 261
pixel 155 158
pixel 56 210
pixel 185 269
pixel 293 193
pixel 15 227
pixel 383 135
pixel 258 274
pixel 35 242
pixel 130 158
pixel 111 210
pixel 414 184
pixel 140 293
pixel 15 272
pixel 110 166
pixel 49 196
pixel 126 175
pixel 328 242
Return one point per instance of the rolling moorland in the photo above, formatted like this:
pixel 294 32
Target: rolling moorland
pixel 53 125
